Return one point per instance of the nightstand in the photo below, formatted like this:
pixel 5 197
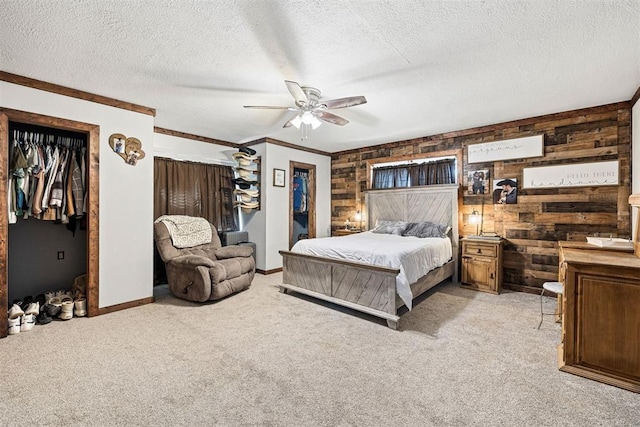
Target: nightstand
pixel 346 232
pixel 482 264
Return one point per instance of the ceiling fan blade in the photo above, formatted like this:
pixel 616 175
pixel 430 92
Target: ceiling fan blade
pixel 288 124
pixel 270 107
pixel 344 102
pixel 331 118
pixel 297 93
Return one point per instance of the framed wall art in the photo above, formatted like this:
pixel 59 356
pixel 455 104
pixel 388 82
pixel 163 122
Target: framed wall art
pixel 505 191
pixel 129 148
pixel 517 148
pixel 279 177
pixel 478 181
pixel 574 175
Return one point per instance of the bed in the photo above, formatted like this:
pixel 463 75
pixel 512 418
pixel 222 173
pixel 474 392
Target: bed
pixel 364 284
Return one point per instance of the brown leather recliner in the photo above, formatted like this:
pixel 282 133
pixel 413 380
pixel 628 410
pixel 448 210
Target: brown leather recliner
pixel 204 272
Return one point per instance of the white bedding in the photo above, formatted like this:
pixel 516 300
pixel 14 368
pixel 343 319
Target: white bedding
pixel 414 256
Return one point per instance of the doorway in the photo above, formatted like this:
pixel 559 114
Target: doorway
pixel 302 202
pixel 92 245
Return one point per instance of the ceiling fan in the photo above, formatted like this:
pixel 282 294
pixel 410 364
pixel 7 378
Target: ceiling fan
pixel 311 111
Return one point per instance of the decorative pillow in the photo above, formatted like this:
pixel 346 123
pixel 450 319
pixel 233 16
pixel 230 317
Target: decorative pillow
pixel 390 227
pixel 426 229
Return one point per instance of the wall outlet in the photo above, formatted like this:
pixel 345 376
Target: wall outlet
pixel 60 254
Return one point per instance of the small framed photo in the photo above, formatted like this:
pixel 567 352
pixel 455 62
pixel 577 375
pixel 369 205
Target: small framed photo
pixel 278 177
pixel 478 181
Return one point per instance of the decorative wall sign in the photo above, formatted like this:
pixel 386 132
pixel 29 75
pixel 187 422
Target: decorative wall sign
pixel 130 149
pixel 517 148
pixel 574 175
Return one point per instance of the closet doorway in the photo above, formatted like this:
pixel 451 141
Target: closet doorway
pixel 302 202
pixel 93 137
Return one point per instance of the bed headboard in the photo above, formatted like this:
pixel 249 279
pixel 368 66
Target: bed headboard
pixel 435 203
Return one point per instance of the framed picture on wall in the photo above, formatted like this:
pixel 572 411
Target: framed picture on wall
pixel 478 181
pixel 505 191
pixel 279 177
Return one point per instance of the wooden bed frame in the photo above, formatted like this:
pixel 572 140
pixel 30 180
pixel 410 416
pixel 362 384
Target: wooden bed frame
pixel 369 288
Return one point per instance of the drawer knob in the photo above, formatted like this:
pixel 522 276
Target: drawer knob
pixel 479 251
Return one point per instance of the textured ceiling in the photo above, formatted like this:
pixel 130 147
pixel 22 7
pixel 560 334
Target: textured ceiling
pixel 425 67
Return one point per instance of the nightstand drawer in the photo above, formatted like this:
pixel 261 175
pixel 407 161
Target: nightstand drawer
pixel 345 232
pixel 479 249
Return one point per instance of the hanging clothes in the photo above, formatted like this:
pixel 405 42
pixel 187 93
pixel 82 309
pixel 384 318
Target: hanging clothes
pixel 46 177
pixel 297 194
pixel 300 191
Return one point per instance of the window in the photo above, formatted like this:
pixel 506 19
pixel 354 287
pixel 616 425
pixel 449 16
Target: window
pixel 412 174
pixel 195 189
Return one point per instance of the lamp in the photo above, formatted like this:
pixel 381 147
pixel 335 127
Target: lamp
pixel 307 118
pixel 476 218
pixel 303 121
pixel 296 121
pixel 359 219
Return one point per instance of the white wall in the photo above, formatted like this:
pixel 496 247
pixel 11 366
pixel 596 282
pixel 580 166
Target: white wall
pixel 178 148
pixel 269 227
pixel 635 158
pixel 277 199
pixel 126 192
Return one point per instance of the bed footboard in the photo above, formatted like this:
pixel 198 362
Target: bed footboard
pixel 363 287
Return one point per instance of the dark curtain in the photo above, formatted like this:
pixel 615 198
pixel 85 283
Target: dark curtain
pixel 391 177
pixel 412 175
pixel 436 172
pixel 195 189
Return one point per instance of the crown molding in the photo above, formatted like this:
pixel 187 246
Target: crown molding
pixel 74 93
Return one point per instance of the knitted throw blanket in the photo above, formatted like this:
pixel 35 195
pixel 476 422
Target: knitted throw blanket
pixel 187 231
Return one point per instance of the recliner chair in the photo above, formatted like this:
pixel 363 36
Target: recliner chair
pixel 204 272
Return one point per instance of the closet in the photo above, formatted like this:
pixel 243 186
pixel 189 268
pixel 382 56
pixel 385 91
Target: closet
pixel 302 202
pixel 47 214
pixel 45 249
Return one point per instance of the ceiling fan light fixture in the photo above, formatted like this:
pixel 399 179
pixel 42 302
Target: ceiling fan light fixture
pixel 315 122
pixel 310 111
pixel 296 122
pixel 307 118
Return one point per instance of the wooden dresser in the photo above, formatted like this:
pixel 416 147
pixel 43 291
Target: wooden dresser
pixel 601 316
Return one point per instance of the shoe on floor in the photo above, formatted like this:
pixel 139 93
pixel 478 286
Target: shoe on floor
pixel 40 299
pixel 15 312
pixel 26 301
pixel 13 326
pixel 43 318
pixel 67 310
pixel 33 308
pixel 54 307
pixel 27 323
pixel 80 307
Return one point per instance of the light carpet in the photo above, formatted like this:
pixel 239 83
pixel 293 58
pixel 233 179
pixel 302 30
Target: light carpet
pixel 264 358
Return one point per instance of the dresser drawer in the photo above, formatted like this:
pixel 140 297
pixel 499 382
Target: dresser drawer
pixel 479 249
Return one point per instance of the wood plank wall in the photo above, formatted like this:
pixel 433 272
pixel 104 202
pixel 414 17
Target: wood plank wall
pixel 541 217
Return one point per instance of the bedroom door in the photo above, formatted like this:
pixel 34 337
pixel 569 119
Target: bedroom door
pixel 302 201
